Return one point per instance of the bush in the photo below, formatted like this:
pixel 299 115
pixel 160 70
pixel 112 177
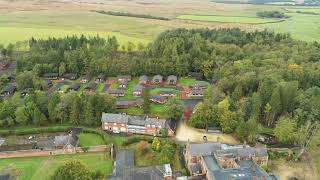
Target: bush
pixel 136 139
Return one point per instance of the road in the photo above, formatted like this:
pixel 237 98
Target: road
pixel 185 133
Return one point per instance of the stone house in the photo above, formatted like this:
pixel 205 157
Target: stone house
pixel 172 80
pixel 157 79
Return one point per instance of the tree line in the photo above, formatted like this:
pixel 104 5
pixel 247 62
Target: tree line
pixel 146 16
pixel 271 14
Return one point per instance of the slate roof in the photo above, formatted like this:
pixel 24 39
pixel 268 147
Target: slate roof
pixel 122 103
pixel 157 77
pixel 248 170
pixel 70 76
pixel 157 97
pixel 123 82
pixel 197 91
pixel 172 78
pixel 115 91
pixel 115 118
pixel 86 77
pixel 200 84
pixel 91 86
pixel 203 149
pixel 75 86
pixel 196 75
pixel 125 170
pixel 244 152
pixel 138 88
pixel 168 92
pixel 9 88
pixel 143 78
pixel 101 76
pixel 50 75
pixel 126 77
pixel 63 140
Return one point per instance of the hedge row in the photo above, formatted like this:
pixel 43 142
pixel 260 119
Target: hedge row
pixel 39 130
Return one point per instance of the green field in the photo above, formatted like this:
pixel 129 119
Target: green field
pixel 33 168
pixel 227 19
pixel 100 87
pixel 89 139
pixel 22 25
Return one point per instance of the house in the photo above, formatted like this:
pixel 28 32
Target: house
pixel 127 78
pixel 86 78
pixel 123 84
pixel 138 90
pixel 46 85
pixel 195 93
pixel 124 169
pixel 143 80
pixel 100 78
pixel 221 161
pixel 157 79
pixel 116 92
pixel 74 87
pixel 70 76
pixel 91 87
pixel 53 89
pixel 200 85
pixel 51 76
pixel 172 80
pixel 168 93
pixel 157 99
pixel 139 102
pixel 123 104
pixel 25 92
pixel 121 123
pixel 196 75
pixel 67 143
pixel 8 90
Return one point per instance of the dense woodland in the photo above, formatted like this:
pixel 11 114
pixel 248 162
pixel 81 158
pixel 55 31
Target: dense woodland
pixel 259 78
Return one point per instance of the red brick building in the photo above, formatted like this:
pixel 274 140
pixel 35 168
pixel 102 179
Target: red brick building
pixel 121 123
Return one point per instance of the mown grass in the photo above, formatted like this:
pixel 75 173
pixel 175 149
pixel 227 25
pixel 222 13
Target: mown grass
pixel 100 87
pixel 227 19
pixel 90 139
pixel 33 168
pixel 129 91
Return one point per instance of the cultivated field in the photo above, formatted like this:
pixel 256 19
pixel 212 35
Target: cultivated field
pixel 23 19
pixel 31 168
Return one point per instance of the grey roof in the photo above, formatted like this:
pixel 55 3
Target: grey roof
pixel 86 77
pixel 172 78
pixel 204 148
pixel 157 77
pixel 123 82
pixel 138 88
pixel 200 84
pixel 197 91
pixel 211 162
pixel 101 76
pixel 244 172
pixel 122 103
pixel 139 101
pixel 9 88
pixel 157 122
pixel 115 118
pixel 125 170
pixel 157 97
pixel 124 159
pixel 115 91
pixel 46 144
pixel 126 77
pixel 50 75
pixel 243 152
pixel 91 85
pixel 167 92
pixel 143 78
pixel 63 140
pixel 75 86
pixel 2 141
pixel 70 76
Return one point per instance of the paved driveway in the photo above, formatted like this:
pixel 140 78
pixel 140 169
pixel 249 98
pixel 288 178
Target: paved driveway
pixel 185 133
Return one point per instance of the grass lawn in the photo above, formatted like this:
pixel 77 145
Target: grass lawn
pixel 158 110
pixel 157 90
pixel 184 81
pixel 133 110
pixel 89 139
pixel 33 168
pixel 227 19
pixel 64 87
pixel 100 87
pixel 129 91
